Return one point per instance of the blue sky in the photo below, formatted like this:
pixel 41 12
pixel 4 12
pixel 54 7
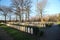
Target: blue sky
pixel 52 6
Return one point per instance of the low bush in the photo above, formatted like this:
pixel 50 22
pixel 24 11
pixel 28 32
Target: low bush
pixel 49 25
pixel 2 25
pixel 59 25
pixel 40 33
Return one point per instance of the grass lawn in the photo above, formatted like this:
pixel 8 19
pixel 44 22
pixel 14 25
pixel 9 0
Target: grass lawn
pixel 16 34
pixel 58 22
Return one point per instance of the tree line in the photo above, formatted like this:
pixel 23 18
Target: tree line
pixel 22 10
pixel 18 8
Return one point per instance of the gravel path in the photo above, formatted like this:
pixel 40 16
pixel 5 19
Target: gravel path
pixel 4 35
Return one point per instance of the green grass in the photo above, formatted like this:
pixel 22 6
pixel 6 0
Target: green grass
pixel 58 22
pixel 2 25
pixel 16 34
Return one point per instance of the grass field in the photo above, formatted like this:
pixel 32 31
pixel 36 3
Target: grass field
pixel 58 22
pixel 16 34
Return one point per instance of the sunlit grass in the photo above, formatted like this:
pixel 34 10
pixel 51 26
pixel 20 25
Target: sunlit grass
pixel 58 22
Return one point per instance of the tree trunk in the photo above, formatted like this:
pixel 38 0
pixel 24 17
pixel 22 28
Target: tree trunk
pixel 28 16
pixel 10 18
pixel 20 18
pixel 5 19
pixel 16 18
pixel 41 15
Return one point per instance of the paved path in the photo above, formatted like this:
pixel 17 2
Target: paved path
pixel 4 35
pixel 52 33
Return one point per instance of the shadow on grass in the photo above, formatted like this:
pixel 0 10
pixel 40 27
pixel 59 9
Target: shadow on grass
pixel 16 34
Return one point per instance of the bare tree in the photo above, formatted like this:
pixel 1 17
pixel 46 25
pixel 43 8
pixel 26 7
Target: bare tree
pixel 28 8
pixel 17 6
pixel 40 7
pixel 10 13
pixel 5 11
pixel 21 6
pixel 16 14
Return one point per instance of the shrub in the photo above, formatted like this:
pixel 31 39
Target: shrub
pixel 38 32
pixel 41 33
pixel 59 25
pixel 49 25
pixel 2 25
